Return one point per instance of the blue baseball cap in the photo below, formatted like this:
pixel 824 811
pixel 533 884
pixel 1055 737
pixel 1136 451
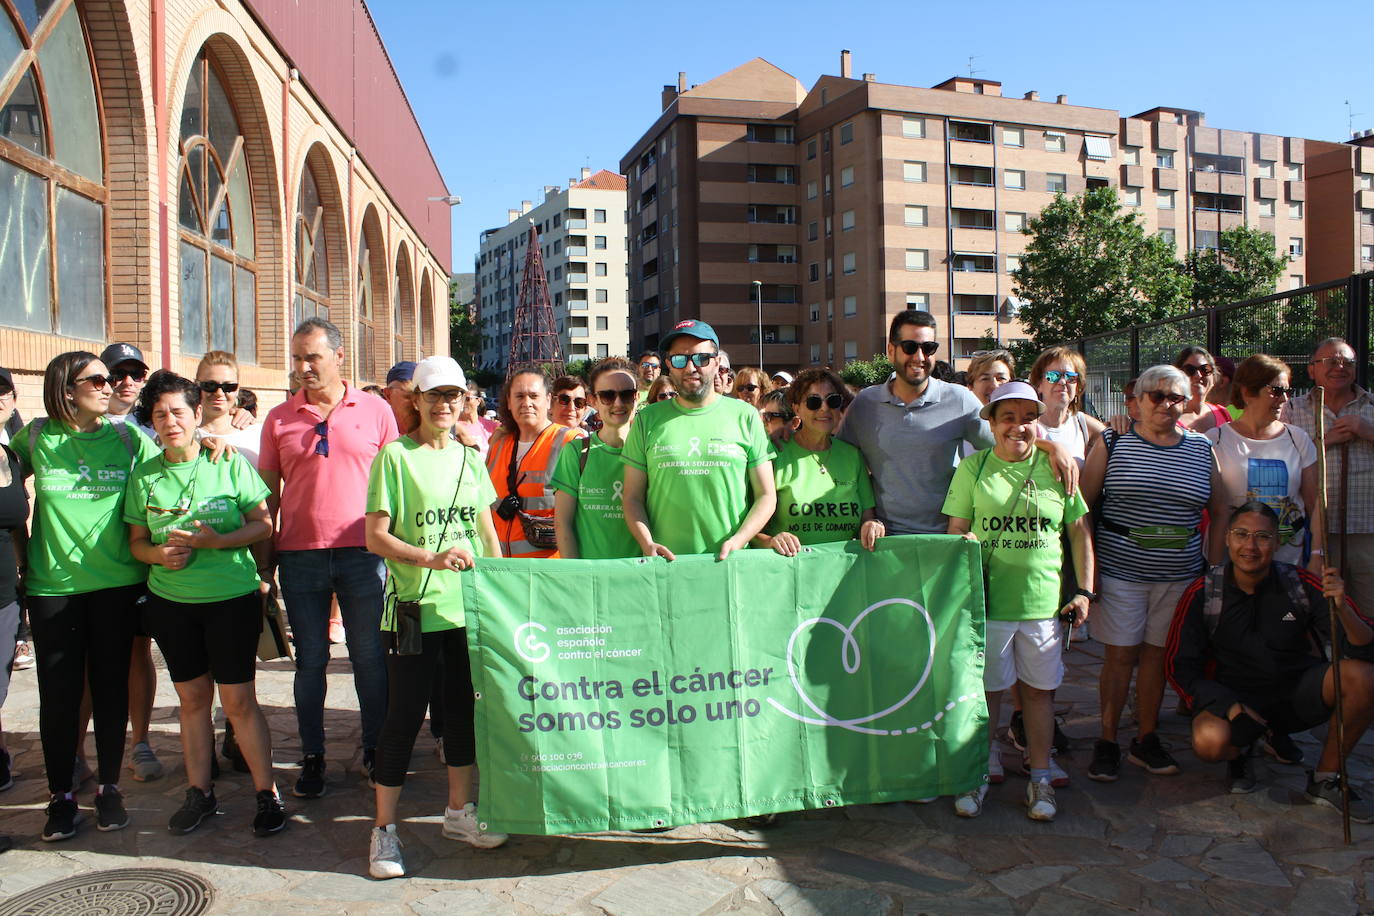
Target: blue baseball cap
pixel 403 371
pixel 690 327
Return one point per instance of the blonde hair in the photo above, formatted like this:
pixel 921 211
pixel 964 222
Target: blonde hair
pixel 217 358
pixel 1070 356
pixel 749 375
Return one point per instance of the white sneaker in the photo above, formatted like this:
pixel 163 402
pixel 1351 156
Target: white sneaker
pixel 463 825
pixel 970 803
pixel 384 858
pixel 1058 777
pixel 1040 804
pixel 996 774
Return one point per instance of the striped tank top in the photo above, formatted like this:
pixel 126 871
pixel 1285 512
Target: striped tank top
pixel 1148 484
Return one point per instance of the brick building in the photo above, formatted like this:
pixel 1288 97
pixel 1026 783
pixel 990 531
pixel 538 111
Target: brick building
pixel 838 206
pixel 187 175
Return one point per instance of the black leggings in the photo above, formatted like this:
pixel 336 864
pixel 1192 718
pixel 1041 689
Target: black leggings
pixel 79 638
pixel 409 679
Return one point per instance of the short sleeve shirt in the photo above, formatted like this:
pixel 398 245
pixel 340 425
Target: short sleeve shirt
pixel 822 495
pixel 600 524
pixel 1269 470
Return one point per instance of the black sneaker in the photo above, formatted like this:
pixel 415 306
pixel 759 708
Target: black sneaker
pixel 1106 765
pixel 271 816
pixel 1016 731
pixel 310 784
pixel 1328 792
pixel 6 774
pixel 1147 752
pixel 63 818
pixel 370 766
pixel 110 813
pixel 1240 774
pixel 194 810
pixel 1283 748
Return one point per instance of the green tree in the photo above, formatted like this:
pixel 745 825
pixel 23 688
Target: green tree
pixel 464 337
pixel 864 372
pixel 1244 266
pixel 578 367
pixel 1089 268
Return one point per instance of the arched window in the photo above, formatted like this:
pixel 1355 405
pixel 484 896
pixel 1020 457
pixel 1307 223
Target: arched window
pixel 367 332
pixel 312 258
pixel 52 174
pixel 215 210
pixel 402 305
pixel 426 313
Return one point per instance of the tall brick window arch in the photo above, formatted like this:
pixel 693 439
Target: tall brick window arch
pixel 52 173
pixel 402 305
pixel 218 265
pixel 312 251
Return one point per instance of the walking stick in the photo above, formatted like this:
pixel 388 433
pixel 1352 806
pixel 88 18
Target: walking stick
pixel 1319 425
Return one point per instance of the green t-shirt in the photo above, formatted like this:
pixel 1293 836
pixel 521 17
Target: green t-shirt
pixel 600 523
pixel 821 495
pixel 78 542
pixel 697 461
pixel 1020 525
pixel 164 495
pixel 420 488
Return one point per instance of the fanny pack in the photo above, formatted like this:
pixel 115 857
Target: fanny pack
pixel 1153 537
pixel 539 531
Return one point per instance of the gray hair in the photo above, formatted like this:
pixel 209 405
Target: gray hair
pixel 332 335
pixel 1331 342
pixel 1162 378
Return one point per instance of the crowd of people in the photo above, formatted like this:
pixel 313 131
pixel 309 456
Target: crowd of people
pixel 1182 533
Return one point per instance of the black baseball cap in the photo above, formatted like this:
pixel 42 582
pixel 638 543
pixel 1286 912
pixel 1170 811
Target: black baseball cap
pixel 6 380
pixel 117 353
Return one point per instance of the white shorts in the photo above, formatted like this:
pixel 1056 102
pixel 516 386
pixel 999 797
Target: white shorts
pixel 1131 613
pixel 1031 651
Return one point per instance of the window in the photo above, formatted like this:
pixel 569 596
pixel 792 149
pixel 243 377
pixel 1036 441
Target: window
pixel 918 300
pixel 1265 168
pixel 810 150
pixel 846 220
pixel 1295 172
pixel 599 243
pixel 1130 155
pixel 970 131
pixel 815 354
pixel 1130 197
pixel 830 310
pixel 851 306
pixel 963 218
pixel 1013 136
pixel 917 259
pixel 1015 179
pixel 846 176
pixel 851 350
pixel 1164 160
pixel 1266 207
pixel 602 322
pixel 600 269
pixel 1295 210
pixel 1097 147
pixel 914 215
pixel 1164 200
pixel 810 190
pixel 1295 247
pixel 1367 252
pixel 815 310
pixel 598 216
pixel 1056 183
pixel 1366 181
pixel 312 258
pixel 812 231
pixel 828 226
pixel 978 175
pixel 813 272
pixel 847 263
pixel 558 218
pixel 218 274
pixel 846 133
pixel 827 182
pixel 557 273
pixel 557 246
pixel 1167 235
pixel 830 267
pixel 914 128
pixel 1055 142
pixel 1014 222
pixel 1013 262
pixel 830 345
pixel 1207 239
pixel 1294 281
pixel 913 171
pixel 1367 217
pixel 603 350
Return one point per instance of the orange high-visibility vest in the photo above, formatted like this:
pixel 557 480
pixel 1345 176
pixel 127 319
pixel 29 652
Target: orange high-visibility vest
pixel 533 475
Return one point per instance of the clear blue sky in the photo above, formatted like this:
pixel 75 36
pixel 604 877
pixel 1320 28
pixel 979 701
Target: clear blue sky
pixel 516 95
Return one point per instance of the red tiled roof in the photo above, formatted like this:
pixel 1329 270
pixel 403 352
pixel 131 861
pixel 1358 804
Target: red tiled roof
pixel 604 180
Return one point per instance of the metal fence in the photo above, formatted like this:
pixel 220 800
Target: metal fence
pixel 1287 325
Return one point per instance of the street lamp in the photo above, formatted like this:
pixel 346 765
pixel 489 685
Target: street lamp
pixel 452 200
pixel 758 295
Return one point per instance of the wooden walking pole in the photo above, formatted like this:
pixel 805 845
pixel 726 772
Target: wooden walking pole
pixel 1319 426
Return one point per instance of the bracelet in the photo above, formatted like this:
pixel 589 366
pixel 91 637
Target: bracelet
pixel 1318 552
pixel 1085 593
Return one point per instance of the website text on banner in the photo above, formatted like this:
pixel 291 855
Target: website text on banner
pixel 622 694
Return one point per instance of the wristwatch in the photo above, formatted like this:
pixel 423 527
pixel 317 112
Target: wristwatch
pixel 1085 593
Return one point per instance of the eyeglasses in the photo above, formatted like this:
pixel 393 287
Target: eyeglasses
pixel 909 347
pixel 97 381
pixel 1334 362
pixel 1054 376
pixel 119 375
pixel 565 399
pixel 1205 370
pixel 452 396
pixel 1159 397
pixel 1279 391
pixel 680 360
pixel 666 395
pixel 212 387
pixel 322 447
pixel 833 401
pixel 1259 537
pixel 648 365
pixel 184 504
pixel 7 393
pixel 608 396
pixel 775 415
pixel 749 388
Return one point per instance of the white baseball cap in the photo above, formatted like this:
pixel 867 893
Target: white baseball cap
pixel 439 372
pixel 785 376
pixel 1011 391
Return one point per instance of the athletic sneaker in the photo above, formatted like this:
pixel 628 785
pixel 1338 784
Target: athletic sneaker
pixel 463 825
pixel 1040 803
pixel 384 856
pixel 1240 774
pixel 1148 752
pixel 1283 748
pixel 110 813
pixel 1058 777
pixel 1106 765
pixel 6 774
pixel 63 818
pixel 194 810
pixel 23 656
pixel 144 763
pixel 310 784
pixel 271 816
pixel 1328 792
pixel 996 774
pixel 970 803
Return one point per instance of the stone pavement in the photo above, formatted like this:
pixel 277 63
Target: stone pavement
pixel 1144 844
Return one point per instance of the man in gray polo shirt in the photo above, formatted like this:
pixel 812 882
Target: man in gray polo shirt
pixel 910 427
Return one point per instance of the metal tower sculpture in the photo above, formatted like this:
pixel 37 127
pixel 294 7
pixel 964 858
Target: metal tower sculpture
pixel 534 342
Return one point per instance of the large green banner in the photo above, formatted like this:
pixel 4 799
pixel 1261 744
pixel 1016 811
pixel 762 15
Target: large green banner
pixel 621 694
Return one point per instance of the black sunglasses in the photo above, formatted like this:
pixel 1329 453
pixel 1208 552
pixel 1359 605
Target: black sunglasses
pixel 680 360
pixel 119 375
pixel 666 395
pixel 322 447
pixel 1159 397
pixel 749 388
pixel 909 347
pixel 97 381
pixel 608 396
pixel 565 399
pixel 1204 370
pixel 212 387
pixel 833 401
pixel 775 415
pixel 1279 391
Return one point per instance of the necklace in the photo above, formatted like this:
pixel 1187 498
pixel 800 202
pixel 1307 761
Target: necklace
pixel 184 501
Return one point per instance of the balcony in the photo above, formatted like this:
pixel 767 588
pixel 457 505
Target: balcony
pixel 974 263
pixel 577 278
pixel 577 332
pixel 965 304
pixel 974 175
pixel 771 174
pixel 576 251
pixel 973 219
pixel 1228 165
pixel 772 213
pixel 769 133
pixel 574 224
pixel 1221 203
pixel 970 131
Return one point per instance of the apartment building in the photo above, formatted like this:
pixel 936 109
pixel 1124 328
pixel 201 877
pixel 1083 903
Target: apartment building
pixel 582 241
pixel 811 217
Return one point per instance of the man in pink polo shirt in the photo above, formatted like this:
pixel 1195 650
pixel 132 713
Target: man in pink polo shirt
pixel 317 450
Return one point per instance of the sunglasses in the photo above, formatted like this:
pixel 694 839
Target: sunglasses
pixel 680 360
pixel 212 387
pixel 666 395
pixel 1159 397
pixel 749 388
pixel 909 347
pixel 1205 371
pixel 1279 391
pixel 775 415
pixel 648 365
pixel 322 447
pixel 119 375
pixel 1054 377
pixel 833 401
pixel 565 399
pixel 609 396
pixel 97 381
pixel 453 396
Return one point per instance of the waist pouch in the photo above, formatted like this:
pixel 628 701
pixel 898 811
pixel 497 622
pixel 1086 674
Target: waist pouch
pixel 1154 537
pixel 539 531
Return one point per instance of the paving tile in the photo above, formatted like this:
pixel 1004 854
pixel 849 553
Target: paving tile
pixel 1167 871
pixel 664 892
pixel 876 870
pixel 1107 885
pixel 1182 845
pixel 559 893
pixel 466 901
pixel 1244 860
pixel 1325 897
pixel 1029 878
pixel 792 900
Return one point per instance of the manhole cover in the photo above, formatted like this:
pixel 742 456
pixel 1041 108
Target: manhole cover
pixel 122 892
